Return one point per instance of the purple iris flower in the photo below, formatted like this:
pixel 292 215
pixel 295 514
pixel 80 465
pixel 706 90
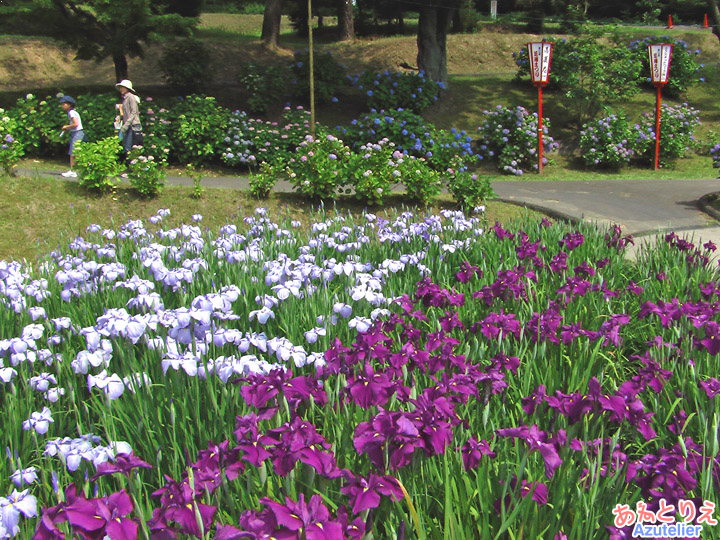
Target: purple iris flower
pixel 365 492
pixel 467 271
pixel 392 430
pixel 123 463
pixel 537 490
pixel 572 240
pixel 711 387
pixel 312 520
pixel 92 518
pixel 536 440
pixel 178 510
pixel 711 341
pixel 370 388
pixel 473 450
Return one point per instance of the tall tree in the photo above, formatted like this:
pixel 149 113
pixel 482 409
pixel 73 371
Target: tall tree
pixel 715 16
pixel 271 24
pixel 433 27
pixel 346 22
pixel 99 29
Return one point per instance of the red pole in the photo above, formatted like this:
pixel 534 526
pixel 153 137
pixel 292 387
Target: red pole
pixel 540 131
pixel 705 22
pixel 657 129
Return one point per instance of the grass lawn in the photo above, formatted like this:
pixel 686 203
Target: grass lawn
pixel 37 214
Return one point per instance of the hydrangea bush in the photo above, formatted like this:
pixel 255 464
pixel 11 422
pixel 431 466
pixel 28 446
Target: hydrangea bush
pixel 318 168
pixel 608 142
pixel 468 189
pixel 677 127
pixel 11 149
pixel 38 121
pixel 251 142
pixel 715 155
pixel 199 126
pixel 509 137
pixel 145 172
pixel 373 169
pixel 394 90
pixel 411 134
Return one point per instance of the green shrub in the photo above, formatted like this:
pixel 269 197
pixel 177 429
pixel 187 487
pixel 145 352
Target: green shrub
pixel 509 136
pixel 145 172
pixel 199 127
pixel 422 183
pixel 394 90
pixel 98 112
pixel 329 76
pixel 97 163
pixel 608 142
pixel 187 65
pixel 38 122
pixel 266 86
pixel 469 189
pixel 263 181
pixel 677 127
pixel 10 148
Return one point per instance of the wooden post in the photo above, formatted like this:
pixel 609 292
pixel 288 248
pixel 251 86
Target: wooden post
pixel 310 67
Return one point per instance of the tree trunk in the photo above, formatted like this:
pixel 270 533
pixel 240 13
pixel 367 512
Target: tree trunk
pixel 714 17
pixel 121 67
pixel 346 23
pixel 433 27
pixel 271 24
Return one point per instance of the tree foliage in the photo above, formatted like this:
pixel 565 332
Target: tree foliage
pixel 99 29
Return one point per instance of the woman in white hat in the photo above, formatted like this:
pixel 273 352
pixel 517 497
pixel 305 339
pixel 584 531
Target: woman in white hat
pixel 131 128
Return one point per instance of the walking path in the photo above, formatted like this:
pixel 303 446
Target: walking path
pixel 643 208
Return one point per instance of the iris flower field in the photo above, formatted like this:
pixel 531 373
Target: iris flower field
pixel 419 377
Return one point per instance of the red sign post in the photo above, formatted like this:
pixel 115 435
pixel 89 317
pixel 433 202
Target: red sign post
pixel 540 54
pixel 660 55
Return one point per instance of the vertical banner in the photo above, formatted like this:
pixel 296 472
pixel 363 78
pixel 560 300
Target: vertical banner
pixel 493 9
pixel 660 55
pixel 540 54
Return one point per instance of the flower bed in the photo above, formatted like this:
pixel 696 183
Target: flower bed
pixel 409 376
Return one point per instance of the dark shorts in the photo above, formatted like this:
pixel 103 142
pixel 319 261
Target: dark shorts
pixel 132 138
pixel 76 137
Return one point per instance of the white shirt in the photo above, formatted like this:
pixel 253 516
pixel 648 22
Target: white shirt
pixel 72 113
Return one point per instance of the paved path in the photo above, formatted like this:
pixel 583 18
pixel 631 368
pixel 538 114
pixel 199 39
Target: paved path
pixel 643 208
pixel 638 206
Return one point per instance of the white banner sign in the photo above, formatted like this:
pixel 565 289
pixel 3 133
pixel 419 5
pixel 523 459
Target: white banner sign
pixel 540 54
pixel 660 56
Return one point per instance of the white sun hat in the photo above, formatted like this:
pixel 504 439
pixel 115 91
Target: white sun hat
pixel 125 84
